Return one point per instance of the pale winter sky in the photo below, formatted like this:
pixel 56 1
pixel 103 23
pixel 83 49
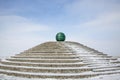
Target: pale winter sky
pixel 27 23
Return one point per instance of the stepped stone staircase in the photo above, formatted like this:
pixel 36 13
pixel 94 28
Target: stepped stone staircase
pixel 60 60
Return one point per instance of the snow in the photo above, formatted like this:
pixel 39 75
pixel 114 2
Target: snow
pixel 118 59
pixel 3 57
pixel 91 56
pixel 82 51
pixel 108 68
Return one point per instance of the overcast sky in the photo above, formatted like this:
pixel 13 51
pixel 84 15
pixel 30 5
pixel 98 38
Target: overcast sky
pixel 27 23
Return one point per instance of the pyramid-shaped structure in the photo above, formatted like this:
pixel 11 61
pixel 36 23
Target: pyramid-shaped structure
pixel 60 60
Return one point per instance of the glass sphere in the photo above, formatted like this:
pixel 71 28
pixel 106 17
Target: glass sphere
pixel 60 36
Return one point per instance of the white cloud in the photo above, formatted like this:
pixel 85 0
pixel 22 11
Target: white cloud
pixel 18 33
pixel 99 24
pixel 108 21
pixel 102 33
pixel 21 24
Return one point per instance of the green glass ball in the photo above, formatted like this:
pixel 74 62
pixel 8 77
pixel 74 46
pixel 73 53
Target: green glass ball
pixel 60 36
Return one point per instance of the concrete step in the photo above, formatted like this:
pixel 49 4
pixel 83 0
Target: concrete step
pixel 48 51
pixel 56 75
pixel 45 57
pixel 46 54
pixel 43 65
pixel 42 59
pixel 47 75
pixel 45 70
pixel 45 60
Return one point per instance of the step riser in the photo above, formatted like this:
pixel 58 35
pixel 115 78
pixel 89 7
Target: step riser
pixel 45 76
pixel 45 61
pixel 48 57
pixel 41 59
pixel 45 70
pixel 43 65
pixel 47 54
pixel 48 51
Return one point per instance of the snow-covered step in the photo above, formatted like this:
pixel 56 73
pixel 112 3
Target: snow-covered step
pixel 100 65
pixel 108 66
pixel 91 60
pixel 117 62
pixel 98 57
pixel 101 56
pixel 101 59
pixel 88 54
pixel 96 62
pixel 106 69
